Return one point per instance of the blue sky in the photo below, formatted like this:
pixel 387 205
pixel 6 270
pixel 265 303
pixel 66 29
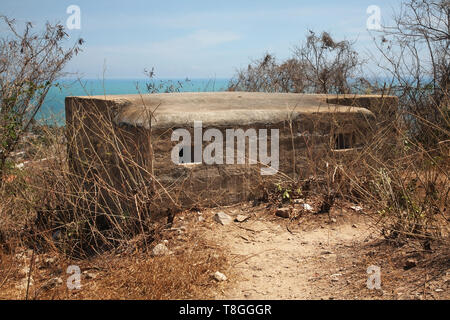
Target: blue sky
pixel 195 39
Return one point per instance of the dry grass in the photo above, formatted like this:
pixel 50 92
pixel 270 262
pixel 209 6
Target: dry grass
pixel 49 199
pixel 101 194
pixel 82 215
pixel 427 278
pixel 131 274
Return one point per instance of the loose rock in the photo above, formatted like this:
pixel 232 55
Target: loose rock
pixel 220 276
pixel 48 262
pixel 410 263
pixel 222 218
pixel 241 218
pixel 335 277
pixel 356 208
pixel 283 212
pixel 307 207
pixel 52 283
pixel 89 275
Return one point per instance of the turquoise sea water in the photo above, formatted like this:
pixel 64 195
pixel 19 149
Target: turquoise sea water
pixel 52 111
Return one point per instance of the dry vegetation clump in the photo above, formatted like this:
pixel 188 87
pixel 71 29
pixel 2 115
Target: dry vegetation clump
pixel 409 273
pixel 401 170
pixel 30 64
pixel 321 65
pixel 78 213
pixel 407 162
pixel 106 199
pixel 72 204
pixel 83 207
pixel 131 273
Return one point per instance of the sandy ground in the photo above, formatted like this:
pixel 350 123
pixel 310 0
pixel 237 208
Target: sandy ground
pixel 264 257
pixel 316 257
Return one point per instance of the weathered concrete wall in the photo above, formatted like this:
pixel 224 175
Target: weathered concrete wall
pixel 308 129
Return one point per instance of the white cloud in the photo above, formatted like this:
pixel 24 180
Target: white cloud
pixel 195 41
pixel 187 55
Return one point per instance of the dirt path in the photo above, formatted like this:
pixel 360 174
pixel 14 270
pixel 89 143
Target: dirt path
pixel 272 262
pixel 313 256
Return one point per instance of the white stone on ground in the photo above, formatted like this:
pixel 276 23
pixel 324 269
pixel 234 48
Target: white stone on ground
pixel 222 218
pixel 220 276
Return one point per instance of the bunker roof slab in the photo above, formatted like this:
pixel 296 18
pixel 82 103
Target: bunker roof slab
pixel 220 108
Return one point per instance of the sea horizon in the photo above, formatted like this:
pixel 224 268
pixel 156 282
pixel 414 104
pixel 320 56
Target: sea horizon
pixel 53 109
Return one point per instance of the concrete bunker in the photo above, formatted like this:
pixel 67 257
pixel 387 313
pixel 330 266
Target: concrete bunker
pixel 308 125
